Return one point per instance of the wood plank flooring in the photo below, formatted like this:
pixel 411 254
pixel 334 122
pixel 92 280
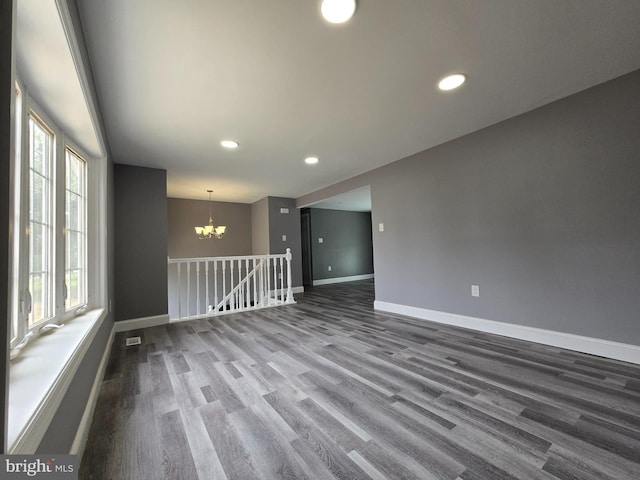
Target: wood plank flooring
pixel 329 389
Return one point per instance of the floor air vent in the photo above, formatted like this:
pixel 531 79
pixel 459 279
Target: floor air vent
pixel 131 341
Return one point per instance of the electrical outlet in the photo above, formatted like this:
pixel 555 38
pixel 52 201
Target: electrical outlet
pixel 320 240
pixel 475 290
pixel 284 210
pixel 329 268
pixel 381 227
pixel 284 238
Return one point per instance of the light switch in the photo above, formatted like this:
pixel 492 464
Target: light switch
pixel 381 227
pixel 320 240
pixel 475 290
pixel 284 210
pixel 284 238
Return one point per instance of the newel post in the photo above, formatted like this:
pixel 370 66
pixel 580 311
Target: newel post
pixel 289 291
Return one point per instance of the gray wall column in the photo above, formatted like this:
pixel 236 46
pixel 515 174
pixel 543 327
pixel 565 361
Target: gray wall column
pixel 287 224
pixel 140 242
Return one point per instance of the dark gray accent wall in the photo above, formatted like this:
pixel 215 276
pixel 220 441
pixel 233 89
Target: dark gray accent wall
pixel 184 215
pixel 286 224
pixel 260 227
pixel 540 211
pixel 347 243
pixel 6 115
pixel 140 215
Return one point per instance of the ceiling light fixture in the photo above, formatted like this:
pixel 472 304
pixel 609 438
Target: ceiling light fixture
pixel 229 144
pixel 452 81
pixel 209 231
pixel 338 11
pixel 311 160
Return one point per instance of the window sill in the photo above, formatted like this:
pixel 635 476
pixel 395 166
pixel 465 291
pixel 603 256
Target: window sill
pixel 40 376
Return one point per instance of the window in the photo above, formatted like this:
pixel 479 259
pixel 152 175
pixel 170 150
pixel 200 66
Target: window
pixel 41 228
pixel 76 230
pixel 51 235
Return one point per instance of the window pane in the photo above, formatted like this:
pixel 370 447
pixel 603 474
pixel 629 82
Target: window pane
pixel 39 286
pixel 74 287
pixel 40 222
pixel 73 211
pixel 76 236
pixel 73 250
pixel 38 199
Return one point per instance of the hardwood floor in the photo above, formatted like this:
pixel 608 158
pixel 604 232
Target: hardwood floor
pixel 329 389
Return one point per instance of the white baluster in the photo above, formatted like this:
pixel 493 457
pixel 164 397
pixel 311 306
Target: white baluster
pixel 268 271
pixel 188 289
pixel 289 290
pixel 206 285
pixel 224 281
pixel 198 288
pixel 247 286
pixel 255 288
pixel 275 278
pixel 179 290
pixel 281 280
pixel 240 290
pixel 262 280
pixel 232 303
pixel 215 286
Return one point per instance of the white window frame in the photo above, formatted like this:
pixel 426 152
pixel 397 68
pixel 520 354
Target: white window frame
pixel 16 326
pixel 50 222
pixel 94 208
pixel 74 150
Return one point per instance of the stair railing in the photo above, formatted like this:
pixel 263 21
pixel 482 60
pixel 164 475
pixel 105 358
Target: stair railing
pixel 201 287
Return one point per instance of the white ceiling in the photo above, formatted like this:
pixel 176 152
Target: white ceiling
pixel 176 77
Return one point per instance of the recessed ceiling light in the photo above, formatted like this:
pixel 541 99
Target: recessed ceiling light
pixel 311 160
pixel 229 144
pixel 338 11
pixel 452 81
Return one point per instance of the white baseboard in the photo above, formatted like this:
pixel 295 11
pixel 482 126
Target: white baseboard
pixel 144 322
pixel 297 289
pixel 353 278
pixel 80 440
pixel 594 346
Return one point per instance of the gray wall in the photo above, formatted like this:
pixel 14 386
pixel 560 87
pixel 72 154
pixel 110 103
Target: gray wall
pixel 286 224
pixel 140 242
pixel 260 227
pixel 184 215
pixel 347 243
pixel 6 114
pixel 540 211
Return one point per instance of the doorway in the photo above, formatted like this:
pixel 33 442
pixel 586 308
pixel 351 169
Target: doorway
pixel 307 267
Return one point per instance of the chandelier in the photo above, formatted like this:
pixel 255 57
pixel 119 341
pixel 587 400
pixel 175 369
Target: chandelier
pixel 210 231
